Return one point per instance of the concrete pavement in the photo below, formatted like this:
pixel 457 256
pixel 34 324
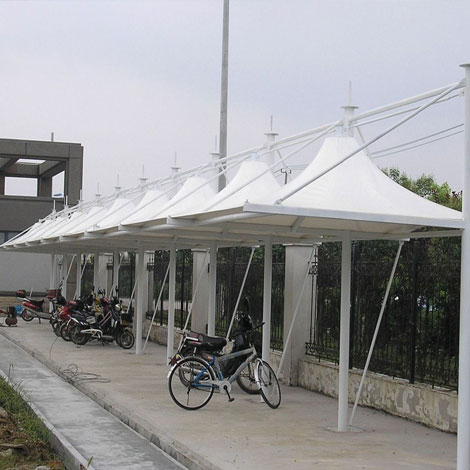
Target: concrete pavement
pixel 244 434
pixel 88 436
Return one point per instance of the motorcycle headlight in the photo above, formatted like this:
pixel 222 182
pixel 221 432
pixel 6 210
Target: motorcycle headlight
pixel 117 308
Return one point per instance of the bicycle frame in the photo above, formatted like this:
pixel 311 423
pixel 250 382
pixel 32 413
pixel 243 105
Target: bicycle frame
pixel 217 360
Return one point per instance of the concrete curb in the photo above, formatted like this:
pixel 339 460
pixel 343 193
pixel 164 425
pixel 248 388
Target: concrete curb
pixel 70 457
pixel 175 449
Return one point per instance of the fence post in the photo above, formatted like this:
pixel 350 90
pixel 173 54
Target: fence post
pixel 414 309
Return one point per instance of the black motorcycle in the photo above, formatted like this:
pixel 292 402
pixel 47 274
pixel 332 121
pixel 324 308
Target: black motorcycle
pixel 106 328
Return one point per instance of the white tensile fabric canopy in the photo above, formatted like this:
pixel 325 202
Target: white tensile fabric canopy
pixel 341 195
pixel 194 192
pixel 355 196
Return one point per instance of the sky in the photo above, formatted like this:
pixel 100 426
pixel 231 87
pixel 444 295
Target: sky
pixel 136 82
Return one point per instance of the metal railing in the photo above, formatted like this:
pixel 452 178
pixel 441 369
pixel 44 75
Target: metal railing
pixel 231 268
pixel 418 339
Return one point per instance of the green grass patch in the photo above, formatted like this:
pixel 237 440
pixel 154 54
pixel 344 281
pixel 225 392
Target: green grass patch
pixel 23 429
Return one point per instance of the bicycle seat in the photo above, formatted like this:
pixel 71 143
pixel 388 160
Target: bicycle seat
pixel 211 343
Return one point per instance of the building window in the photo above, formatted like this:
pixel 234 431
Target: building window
pixel 5 236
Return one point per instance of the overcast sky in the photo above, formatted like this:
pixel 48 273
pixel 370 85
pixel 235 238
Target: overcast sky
pixel 136 81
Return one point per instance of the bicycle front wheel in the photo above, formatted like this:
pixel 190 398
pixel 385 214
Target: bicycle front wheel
pixel 246 380
pixel 269 385
pixel 190 383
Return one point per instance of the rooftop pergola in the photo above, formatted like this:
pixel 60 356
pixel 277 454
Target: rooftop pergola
pixel 341 196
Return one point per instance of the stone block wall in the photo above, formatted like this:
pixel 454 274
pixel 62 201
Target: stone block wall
pixel 433 407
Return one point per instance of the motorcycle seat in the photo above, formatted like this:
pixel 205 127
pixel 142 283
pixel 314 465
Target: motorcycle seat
pixel 211 343
pixel 37 303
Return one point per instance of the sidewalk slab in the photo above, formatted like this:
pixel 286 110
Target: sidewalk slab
pixel 245 434
pixel 87 433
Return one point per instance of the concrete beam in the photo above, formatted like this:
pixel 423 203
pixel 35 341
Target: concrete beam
pixel 22 170
pixel 34 149
pixel 51 168
pixel 7 162
pixel 31 170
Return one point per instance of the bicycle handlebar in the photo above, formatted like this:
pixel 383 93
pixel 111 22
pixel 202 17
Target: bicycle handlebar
pixel 258 326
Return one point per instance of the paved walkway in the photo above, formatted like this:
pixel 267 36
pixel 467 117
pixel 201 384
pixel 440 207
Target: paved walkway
pixel 244 434
pixel 93 437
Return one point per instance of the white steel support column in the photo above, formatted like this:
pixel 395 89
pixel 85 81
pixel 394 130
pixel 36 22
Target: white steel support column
pixel 267 288
pixel 344 333
pixel 78 289
pixel 140 304
pixel 96 269
pixel 116 264
pixel 66 260
pixel 52 276
pixel 171 304
pixel 463 420
pixel 212 289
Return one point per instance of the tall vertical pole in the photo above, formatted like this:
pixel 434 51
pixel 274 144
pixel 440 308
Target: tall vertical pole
pixel 140 303
pixel 65 270
pixel 171 304
pixel 212 289
pixel 116 263
pixel 463 432
pixel 52 276
pixel 224 92
pixel 267 289
pixel 96 271
pixel 344 333
pixel 78 276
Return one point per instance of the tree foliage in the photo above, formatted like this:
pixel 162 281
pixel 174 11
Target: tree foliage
pixel 427 187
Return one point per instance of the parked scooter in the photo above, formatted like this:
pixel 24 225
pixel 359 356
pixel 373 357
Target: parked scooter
pixel 75 310
pixel 61 311
pixel 58 302
pixel 32 308
pixel 106 328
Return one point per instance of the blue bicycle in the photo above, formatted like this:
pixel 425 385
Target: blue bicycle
pixel 193 380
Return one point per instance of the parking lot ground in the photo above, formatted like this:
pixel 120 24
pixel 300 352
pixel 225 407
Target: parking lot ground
pixel 244 434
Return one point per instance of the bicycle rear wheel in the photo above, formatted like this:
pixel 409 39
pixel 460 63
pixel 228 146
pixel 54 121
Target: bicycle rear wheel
pixel 269 385
pixel 189 383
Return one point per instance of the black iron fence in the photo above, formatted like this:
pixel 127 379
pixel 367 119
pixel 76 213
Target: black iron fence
pixel 418 338
pixel 127 275
pixel 184 280
pixel 231 267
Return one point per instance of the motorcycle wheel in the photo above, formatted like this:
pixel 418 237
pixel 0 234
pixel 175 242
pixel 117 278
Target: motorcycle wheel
pixel 78 337
pixel 64 332
pixel 126 339
pixel 56 328
pixel 26 316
